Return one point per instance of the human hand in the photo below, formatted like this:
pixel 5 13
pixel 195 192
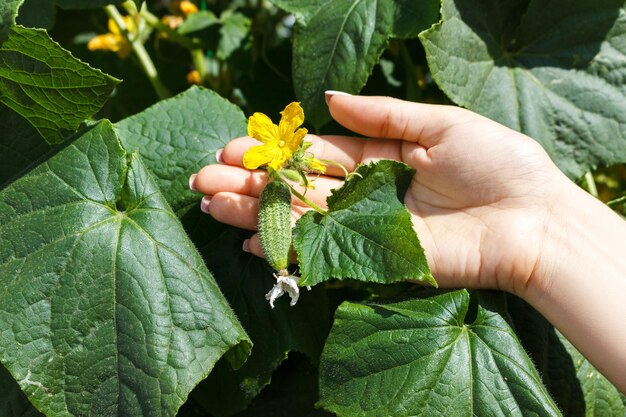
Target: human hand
pixel 480 199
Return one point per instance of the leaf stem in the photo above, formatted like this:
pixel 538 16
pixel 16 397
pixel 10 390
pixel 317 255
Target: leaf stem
pixel 591 184
pixel 302 197
pixel 141 53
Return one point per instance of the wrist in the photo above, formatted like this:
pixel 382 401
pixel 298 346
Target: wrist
pixel 563 212
pixel 580 278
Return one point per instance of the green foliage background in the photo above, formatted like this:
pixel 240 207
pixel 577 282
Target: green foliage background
pixel 119 297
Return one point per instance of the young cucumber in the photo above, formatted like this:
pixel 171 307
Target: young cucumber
pixel 275 224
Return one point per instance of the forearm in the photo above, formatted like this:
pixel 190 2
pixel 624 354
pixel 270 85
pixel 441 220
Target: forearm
pixel 579 284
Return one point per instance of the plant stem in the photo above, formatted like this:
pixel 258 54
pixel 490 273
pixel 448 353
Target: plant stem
pixel 141 53
pixel 302 197
pixel 199 63
pixel 591 184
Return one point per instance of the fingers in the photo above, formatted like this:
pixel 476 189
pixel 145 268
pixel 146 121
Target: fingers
pixel 231 208
pixel 389 118
pixel 215 179
pixel 344 150
pixel 253 245
pixel 348 151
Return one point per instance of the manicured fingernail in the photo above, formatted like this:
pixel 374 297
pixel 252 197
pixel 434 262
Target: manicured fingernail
pixel 329 93
pixel 246 245
pixel 218 156
pixel 192 182
pixel 204 203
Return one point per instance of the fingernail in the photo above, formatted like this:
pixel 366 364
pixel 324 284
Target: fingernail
pixel 329 93
pixel 204 204
pixel 218 156
pixel 192 182
pixel 246 245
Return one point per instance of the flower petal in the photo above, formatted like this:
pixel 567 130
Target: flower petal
pixel 261 128
pixel 106 42
pixel 315 164
pixel 260 155
pixel 280 157
pixel 293 141
pixel 292 118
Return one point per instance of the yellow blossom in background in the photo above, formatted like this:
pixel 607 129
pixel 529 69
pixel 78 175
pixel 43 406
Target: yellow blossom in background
pixel 172 22
pixel 187 7
pixel 193 77
pixel 114 41
pixel 279 142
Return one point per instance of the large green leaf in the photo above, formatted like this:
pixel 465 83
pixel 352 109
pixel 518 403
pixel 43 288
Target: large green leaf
pixel 13 402
pixel 342 40
pixel 47 86
pixel 20 146
pixel 245 279
pixel 177 137
pixel 367 234
pixel 577 387
pixel 553 70
pixel 428 357
pixel 107 308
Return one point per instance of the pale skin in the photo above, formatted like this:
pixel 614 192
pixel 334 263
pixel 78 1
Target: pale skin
pixel 489 206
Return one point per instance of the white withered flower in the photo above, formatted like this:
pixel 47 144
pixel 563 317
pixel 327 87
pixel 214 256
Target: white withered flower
pixel 285 284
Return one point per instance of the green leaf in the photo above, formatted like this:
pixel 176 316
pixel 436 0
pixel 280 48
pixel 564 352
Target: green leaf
pixel 107 308
pixel 367 234
pixel 577 387
pixel 47 86
pixel 13 402
pixel 428 357
pixel 178 136
pixel 552 71
pixel 197 22
pixel 20 148
pixel 245 279
pixel 293 392
pixel 302 9
pixel 601 397
pixel 235 28
pixel 341 42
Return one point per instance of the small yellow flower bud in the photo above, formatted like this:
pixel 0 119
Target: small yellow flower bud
pixel 187 7
pixel 193 77
pixel 171 21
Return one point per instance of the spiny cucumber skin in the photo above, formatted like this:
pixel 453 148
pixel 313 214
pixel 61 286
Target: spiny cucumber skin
pixel 275 224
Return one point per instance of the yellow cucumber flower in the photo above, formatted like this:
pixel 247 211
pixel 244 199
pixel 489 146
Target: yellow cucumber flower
pixel 114 41
pixel 279 142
